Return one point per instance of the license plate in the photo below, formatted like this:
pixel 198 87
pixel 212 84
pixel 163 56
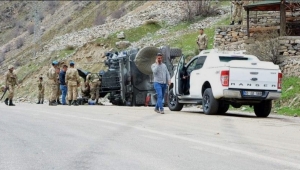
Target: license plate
pixel 252 93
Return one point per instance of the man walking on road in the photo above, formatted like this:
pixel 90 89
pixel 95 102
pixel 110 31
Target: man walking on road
pixel 11 81
pixel 53 83
pixel 73 82
pixel 62 84
pixel 161 79
pixel 41 88
pixel 202 40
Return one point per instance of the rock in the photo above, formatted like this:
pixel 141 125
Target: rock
pixel 295 115
pixel 223 33
pixel 123 44
pixel 121 35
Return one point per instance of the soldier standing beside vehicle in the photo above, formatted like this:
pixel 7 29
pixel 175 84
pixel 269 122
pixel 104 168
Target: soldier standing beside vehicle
pixel 10 81
pixel 53 83
pixel 161 77
pixel 202 40
pixel 73 82
pixel 41 88
pixel 238 6
pixel 94 83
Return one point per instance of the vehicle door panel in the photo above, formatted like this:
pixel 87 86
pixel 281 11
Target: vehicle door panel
pixel 197 79
pixel 178 83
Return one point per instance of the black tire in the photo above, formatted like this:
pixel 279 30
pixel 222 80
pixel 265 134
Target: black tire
pixel 263 109
pixel 173 103
pixel 223 108
pixel 175 52
pixel 209 103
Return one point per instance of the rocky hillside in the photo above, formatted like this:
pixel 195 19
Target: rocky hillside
pixel 34 34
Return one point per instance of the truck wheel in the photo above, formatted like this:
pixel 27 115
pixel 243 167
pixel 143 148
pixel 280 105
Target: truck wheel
pixel 209 103
pixel 263 109
pixel 173 103
pixel 223 108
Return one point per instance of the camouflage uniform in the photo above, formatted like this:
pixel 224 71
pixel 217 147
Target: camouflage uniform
pixel 94 82
pixel 41 88
pixel 73 81
pixel 238 6
pixel 53 85
pixel 10 81
pixel 202 41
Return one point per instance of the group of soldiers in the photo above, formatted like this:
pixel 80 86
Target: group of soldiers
pixel 65 81
pixel 70 78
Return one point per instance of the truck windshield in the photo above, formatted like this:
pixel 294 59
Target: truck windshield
pixel 230 58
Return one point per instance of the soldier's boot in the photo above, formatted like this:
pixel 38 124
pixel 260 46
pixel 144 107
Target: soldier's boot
pixel 70 102
pixel 75 103
pixel 38 102
pixel 42 102
pixel 58 102
pixel 52 103
pixel 6 101
pixel 232 23
pixel 240 22
pixel 11 103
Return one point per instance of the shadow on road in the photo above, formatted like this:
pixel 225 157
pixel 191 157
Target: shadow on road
pixel 239 115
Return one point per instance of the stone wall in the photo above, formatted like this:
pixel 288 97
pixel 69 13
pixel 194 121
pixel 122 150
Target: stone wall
pixel 227 34
pixel 267 17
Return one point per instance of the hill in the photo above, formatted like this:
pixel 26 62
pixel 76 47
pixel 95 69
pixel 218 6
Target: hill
pixel 34 34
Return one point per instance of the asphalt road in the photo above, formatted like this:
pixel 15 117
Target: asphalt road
pixel 36 137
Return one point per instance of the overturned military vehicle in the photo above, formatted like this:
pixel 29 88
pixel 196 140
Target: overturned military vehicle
pixel 128 79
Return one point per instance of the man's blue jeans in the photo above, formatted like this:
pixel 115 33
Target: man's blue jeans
pixel 160 91
pixel 64 91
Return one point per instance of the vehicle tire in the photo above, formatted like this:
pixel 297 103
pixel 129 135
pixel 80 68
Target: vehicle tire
pixel 263 109
pixel 209 103
pixel 175 52
pixel 223 108
pixel 173 103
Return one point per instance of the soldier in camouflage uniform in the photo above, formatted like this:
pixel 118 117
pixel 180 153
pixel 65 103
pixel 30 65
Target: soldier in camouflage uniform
pixel 93 80
pixel 238 6
pixel 10 82
pixel 58 87
pixel 202 40
pixel 41 87
pixel 73 82
pixel 53 81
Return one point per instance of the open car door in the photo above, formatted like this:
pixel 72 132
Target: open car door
pixel 178 83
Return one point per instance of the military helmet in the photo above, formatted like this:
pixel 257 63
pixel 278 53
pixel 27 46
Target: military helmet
pixel 72 63
pixel 10 67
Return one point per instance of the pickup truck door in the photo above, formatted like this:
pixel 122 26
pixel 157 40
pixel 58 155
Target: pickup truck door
pixel 177 84
pixel 196 78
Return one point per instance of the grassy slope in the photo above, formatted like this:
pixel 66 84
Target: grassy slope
pixel 132 35
pixel 290 99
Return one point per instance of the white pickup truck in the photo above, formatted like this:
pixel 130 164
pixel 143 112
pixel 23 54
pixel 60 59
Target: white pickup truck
pixel 218 79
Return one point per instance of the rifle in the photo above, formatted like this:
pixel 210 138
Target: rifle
pixel 4 93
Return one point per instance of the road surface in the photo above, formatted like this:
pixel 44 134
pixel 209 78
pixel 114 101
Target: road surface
pixel 36 137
